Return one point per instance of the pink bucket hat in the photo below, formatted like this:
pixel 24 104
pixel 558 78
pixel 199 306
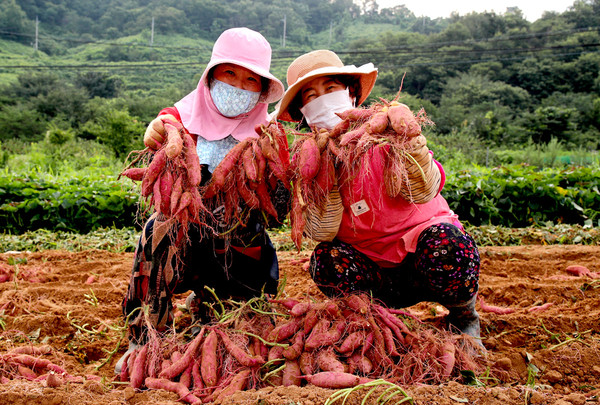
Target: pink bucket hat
pixel 249 49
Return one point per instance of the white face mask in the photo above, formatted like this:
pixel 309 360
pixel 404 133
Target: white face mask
pixel 320 112
pixel 232 101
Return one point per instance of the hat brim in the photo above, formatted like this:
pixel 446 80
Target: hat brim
pixel 367 74
pixel 275 90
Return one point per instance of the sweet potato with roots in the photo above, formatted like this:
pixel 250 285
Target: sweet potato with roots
pixel 243 357
pixel 209 364
pixel 177 367
pixel 309 161
pixel 403 121
pixel 174 145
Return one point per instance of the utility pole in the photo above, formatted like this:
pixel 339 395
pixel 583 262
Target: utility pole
pixel 284 27
pixel 152 33
pixel 37 22
pixel 330 33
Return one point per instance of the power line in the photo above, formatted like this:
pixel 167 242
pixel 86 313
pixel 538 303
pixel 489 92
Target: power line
pixel 289 53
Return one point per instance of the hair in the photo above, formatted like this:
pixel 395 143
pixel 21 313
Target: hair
pixel 352 83
pixel 264 82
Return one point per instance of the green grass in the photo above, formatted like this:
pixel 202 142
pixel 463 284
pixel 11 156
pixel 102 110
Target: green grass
pixel 125 239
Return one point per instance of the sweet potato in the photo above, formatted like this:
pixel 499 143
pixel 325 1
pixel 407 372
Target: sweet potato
pixel 26 372
pixel 309 159
pixel 184 201
pixel 578 271
pixel 291 373
pixel 388 338
pixel 166 187
pixel 209 363
pixel 353 135
pixel 36 363
pixel 138 369
pixel 284 331
pixel 540 308
pixel 378 123
pixel 307 363
pixel 447 358
pixel 358 303
pixel 171 386
pixel 403 121
pixel 226 165
pixel 352 342
pixel 237 383
pixel 174 144
pixel 325 178
pixel 293 351
pixel 333 380
pixel 275 353
pixel 327 338
pixel 155 168
pixel 197 382
pixel 287 303
pixel 186 377
pixel 261 162
pixel 328 361
pixel 176 192
pixel 192 161
pixel 238 353
pixel 492 308
pixel 339 129
pixel 246 193
pixel 249 164
pixel 356 114
pixel 359 362
pixel 177 367
pixel 134 173
pixel 300 308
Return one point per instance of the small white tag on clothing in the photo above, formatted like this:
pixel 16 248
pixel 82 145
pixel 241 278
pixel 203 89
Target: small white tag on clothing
pixel 359 208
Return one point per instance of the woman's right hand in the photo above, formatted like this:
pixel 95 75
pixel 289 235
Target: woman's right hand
pixel 155 133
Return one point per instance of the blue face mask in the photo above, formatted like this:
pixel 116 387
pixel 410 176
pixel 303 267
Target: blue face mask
pixel 232 101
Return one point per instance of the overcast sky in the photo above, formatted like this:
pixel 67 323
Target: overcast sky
pixel 532 9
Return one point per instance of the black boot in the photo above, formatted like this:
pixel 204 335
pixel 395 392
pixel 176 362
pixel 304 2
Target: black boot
pixel 465 318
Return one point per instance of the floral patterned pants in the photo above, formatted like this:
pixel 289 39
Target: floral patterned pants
pixel 443 269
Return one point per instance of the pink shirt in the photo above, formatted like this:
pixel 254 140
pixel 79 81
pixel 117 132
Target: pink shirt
pixel 384 228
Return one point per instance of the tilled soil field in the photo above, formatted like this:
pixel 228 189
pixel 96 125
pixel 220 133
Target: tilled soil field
pixel 547 348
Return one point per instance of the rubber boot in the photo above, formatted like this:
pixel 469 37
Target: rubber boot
pixel 132 347
pixel 198 311
pixel 464 317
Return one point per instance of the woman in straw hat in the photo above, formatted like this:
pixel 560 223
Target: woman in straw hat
pixel 231 98
pixel 401 251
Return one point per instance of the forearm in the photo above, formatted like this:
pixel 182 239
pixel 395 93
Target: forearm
pixel 423 175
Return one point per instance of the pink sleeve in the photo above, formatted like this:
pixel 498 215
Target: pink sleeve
pixel 442 174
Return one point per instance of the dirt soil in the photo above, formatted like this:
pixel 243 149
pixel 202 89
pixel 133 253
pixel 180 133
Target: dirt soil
pixel 71 302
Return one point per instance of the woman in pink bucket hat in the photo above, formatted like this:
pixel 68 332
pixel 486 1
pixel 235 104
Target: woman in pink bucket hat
pixel 402 250
pixel 231 99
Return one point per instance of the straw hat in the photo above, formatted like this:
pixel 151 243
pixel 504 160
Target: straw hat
pixel 247 48
pixel 322 63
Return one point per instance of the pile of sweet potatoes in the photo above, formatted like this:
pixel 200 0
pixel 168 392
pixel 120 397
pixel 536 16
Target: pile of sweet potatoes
pixel 243 181
pixel 337 343
pixel 171 176
pixel 319 157
pixel 247 177
pixel 312 174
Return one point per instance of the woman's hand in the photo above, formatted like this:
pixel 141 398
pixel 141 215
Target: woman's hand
pixel 155 133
